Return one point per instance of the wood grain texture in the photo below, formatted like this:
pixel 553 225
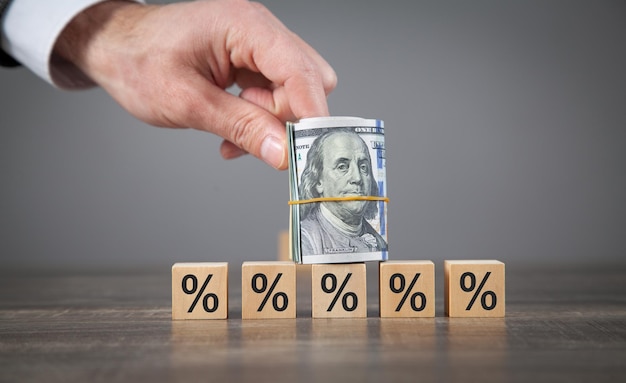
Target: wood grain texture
pixel 474 288
pixel 268 290
pixel 407 289
pixel 200 290
pixel 339 290
pixel 565 323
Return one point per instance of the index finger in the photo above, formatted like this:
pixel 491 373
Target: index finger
pixel 329 78
pixel 268 47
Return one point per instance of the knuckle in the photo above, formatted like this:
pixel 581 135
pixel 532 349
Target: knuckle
pixel 180 104
pixel 311 74
pixel 330 81
pixel 241 132
pixel 183 106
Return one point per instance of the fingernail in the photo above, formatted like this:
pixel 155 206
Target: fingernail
pixel 273 151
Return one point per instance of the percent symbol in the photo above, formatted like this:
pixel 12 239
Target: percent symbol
pixel 194 288
pixel 477 291
pixel 260 290
pixel 333 288
pixel 401 288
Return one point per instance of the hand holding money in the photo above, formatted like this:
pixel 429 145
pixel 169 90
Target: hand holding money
pixel 169 65
pixel 338 190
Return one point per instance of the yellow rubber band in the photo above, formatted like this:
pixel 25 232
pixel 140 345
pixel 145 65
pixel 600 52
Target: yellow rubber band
pixel 340 199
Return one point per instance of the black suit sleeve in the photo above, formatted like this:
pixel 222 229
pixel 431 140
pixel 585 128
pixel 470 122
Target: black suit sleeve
pixel 5 59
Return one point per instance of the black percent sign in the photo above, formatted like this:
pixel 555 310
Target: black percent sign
pixel 472 287
pixel 401 281
pixel 194 288
pixel 260 290
pixel 333 288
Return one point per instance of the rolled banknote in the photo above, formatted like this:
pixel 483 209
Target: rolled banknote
pixel 338 190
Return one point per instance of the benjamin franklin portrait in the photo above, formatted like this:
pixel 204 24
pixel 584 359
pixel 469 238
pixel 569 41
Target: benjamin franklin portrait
pixel 338 165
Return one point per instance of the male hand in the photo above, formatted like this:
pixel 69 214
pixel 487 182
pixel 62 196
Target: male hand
pixel 169 65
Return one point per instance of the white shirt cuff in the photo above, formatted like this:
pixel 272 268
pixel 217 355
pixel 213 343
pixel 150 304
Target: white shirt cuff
pixel 30 31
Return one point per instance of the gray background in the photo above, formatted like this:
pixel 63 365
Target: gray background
pixel 505 128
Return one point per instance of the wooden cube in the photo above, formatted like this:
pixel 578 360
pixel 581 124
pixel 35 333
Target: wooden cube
pixel 407 289
pixel 474 288
pixel 268 290
pixel 339 290
pixel 284 251
pixel 200 290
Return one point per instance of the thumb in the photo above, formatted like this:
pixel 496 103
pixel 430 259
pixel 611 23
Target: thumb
pixel 244 124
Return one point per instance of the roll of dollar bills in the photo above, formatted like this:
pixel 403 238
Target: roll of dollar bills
pixel 338 190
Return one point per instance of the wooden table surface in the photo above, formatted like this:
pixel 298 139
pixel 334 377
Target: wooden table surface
pixel 562 325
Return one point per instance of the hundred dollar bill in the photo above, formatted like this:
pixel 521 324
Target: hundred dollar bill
pixel 338 190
